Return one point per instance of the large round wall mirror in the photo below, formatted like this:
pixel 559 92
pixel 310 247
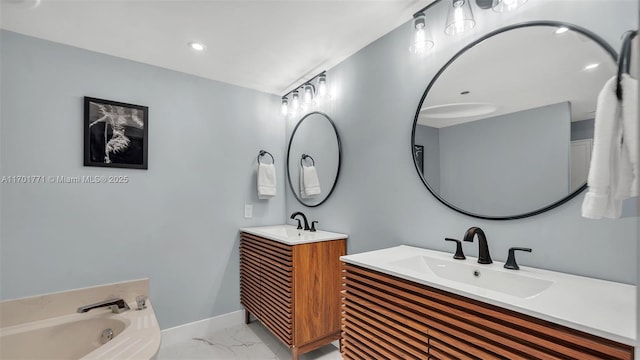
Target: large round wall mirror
pixel 505 128
pixel 313 159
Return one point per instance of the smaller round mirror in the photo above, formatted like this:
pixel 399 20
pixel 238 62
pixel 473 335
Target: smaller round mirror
pixel 313 159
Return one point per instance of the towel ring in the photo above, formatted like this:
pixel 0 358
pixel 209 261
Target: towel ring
pixel 305 157
pixel 263 153
pixel 624 59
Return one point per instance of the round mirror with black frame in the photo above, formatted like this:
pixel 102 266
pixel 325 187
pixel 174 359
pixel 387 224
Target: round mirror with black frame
pixel 504 129
pixel 313 159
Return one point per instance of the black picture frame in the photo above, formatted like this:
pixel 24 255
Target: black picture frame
pixel 115 134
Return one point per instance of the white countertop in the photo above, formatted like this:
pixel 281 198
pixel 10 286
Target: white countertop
pixel 598 307
pixel 290 235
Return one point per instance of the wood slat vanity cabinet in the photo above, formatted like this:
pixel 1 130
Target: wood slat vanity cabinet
pixel 294 290
pixel 385 317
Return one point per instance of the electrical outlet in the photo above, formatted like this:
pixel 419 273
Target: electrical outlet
pixel 248 211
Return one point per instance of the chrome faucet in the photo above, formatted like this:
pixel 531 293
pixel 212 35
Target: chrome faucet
pixel 306 223
pixel 483 252
pixel 117 306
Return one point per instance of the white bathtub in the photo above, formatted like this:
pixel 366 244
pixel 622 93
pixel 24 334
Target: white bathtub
pixel 136 335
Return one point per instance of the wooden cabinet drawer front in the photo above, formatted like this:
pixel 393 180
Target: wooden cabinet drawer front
pixel 249 280
pixel 401 340
pixel 266 276
pixel 276 273
pixel 390 303
pixel 279 324
pixel 277 252
pixel 249 296
pixel 472 329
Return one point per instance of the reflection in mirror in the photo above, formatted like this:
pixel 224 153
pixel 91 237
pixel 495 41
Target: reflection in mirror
pixel 508 133
pixel 313 159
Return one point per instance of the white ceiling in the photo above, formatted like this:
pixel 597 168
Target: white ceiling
pixel 267 45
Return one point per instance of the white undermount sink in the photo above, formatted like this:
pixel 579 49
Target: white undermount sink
pixel 504 281
pixel 290 235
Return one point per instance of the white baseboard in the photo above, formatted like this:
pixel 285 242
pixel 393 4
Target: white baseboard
pixel 201 328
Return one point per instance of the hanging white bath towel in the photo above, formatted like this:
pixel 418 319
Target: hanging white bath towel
pixel 309 182
pixel 600 201
pixel 266 181
pixel 613 173
pixel 628 183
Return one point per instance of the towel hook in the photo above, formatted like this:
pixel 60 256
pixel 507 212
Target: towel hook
pixel 263 153
pixel 305 157
pixel 624 59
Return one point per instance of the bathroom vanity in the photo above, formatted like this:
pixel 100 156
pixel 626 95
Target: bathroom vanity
pixel 290 280
pixel 406 302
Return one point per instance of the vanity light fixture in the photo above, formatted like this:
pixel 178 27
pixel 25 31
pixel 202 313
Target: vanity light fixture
pixel 561 30
pixel 313 91
pixel 507 5
pixel 460 18
pixel 422 39
pixel 197 46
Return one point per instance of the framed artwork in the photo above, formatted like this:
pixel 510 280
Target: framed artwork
pixel 418 153
pixel 115 134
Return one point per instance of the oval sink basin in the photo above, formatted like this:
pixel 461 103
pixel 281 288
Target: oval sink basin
pixel 505 281
pixel 290 235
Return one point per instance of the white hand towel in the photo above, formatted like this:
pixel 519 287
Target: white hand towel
pixel 309 182
pixel 266 181
pixel 600 200
pixel 628 183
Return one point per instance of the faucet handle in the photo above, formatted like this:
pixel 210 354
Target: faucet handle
pixel 313 226
pixel 299 224
pixel 141 302
pixel 459 254
pixel 511 259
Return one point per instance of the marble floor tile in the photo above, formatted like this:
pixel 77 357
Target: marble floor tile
pixel 246 342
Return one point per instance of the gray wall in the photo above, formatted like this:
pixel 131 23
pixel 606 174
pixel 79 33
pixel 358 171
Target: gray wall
pixel 581 130
pixel 381 202
pixel 176 223
pixel 485 164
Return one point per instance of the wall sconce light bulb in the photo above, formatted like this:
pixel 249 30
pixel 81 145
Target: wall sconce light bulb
pixel 295 102
pixel 308 94
pixel 422 40
pixel 322 85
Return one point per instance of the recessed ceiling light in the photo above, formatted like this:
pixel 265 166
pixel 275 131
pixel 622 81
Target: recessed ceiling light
pixel 197 46
pixel 591 66
pixel 562 29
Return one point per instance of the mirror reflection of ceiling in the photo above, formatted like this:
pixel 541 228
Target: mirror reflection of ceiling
pixel 516 70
